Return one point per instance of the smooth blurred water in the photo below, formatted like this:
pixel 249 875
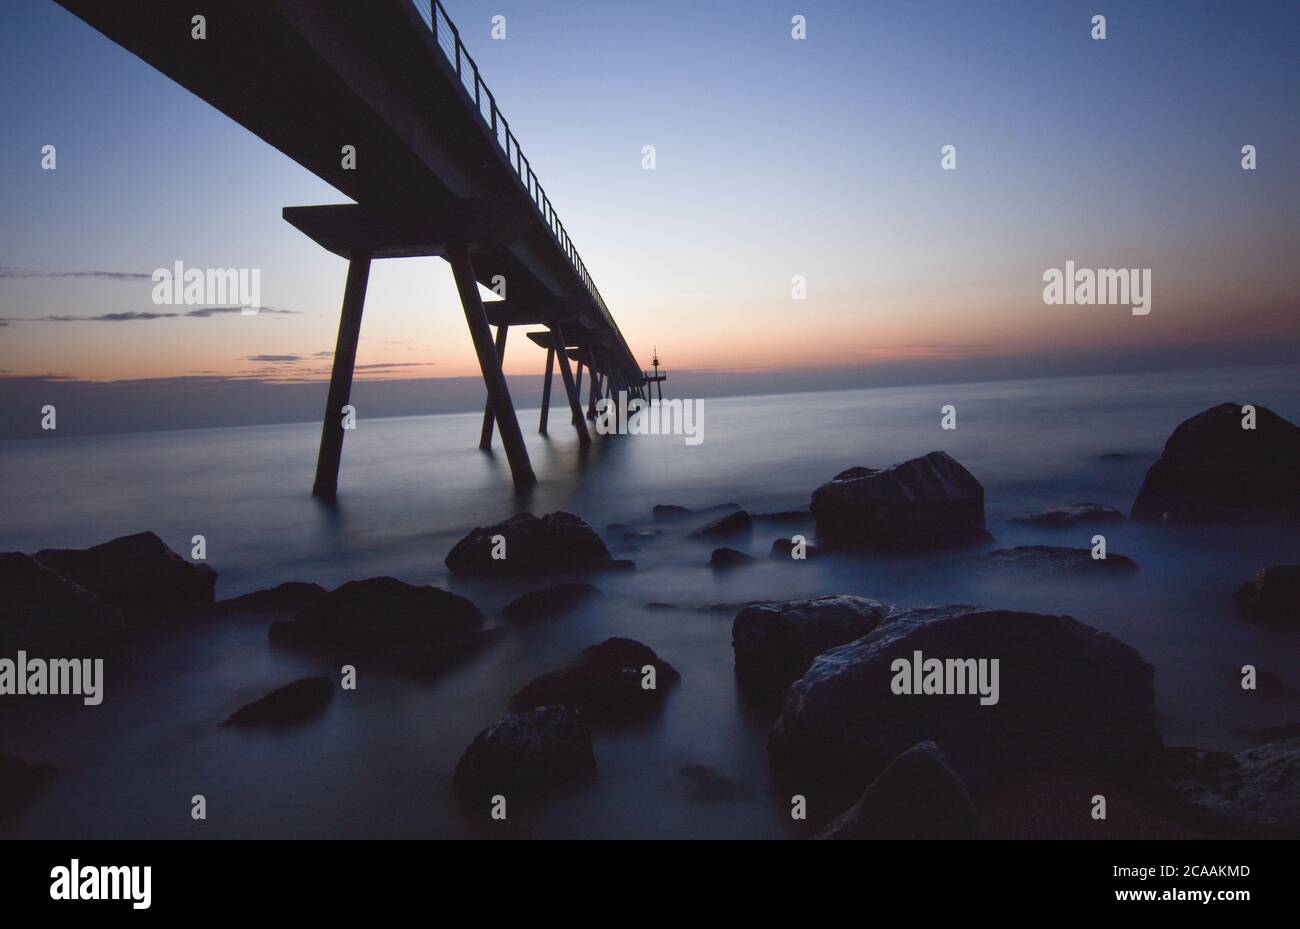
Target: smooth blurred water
pixel 379 762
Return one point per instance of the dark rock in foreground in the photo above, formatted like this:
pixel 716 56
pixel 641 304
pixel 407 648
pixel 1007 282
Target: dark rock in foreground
pixel 48 615
pixel 558 541
pixel 784 549
pixel 544 747
pixel 730 526
pixel 1214 471
pixel 1255 792
pixel 20 780
pixel 289 597
pixel 923 503
pixel 1056 558
pixel 138 574
pixel 700 782
pixel 605 680
pixel 284 706
pixel 1068 696
pixel 552 601
pixel 775 643
pixel 918 796
pixel 1272 595
pixel 724 558
pixel 786 517
pixel 670 513
pixel 424 626
pixel 1076 514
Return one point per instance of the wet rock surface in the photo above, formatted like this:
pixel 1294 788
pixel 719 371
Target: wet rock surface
pixel 46 614
pixel 1076 514
pixel 723 559
pixel 552 601
pixel 558 541
pixel 1272 596
pixel 1054 558
pixel 605 680
pixel 287 705
pixel 545 747
pixel 775 643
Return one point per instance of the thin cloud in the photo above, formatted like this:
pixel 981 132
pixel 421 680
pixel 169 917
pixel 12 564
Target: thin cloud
pixel 131 317
pixel 16 273
pixel 275 359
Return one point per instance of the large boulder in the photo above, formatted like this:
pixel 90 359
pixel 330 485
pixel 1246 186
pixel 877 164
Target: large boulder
pixel 543 747
pixel 918 796
pixel 1272 595
pixel 1066 695
pixel 424 627
pixel 1255 792
pixel 1057 559
pixel 284 706
pixel 923 503
pixel 1214 471
pixel 287 598
pixel 138 574
pixel 775 643
pixel 1076 514
pixel 605 680
pixel 19 781
pixel 724 559
pixel 558 541
pixel 48 615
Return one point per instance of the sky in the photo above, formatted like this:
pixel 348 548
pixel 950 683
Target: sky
pixel 774 158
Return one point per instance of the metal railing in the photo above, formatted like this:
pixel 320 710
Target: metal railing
pixel 447 37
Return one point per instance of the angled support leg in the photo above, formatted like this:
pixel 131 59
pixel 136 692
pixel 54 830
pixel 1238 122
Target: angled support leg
pixel 577 379
pixel 592 393
pixel 498 393
pixel 546 389
pixel 566 374
pixel 345 361
pixel 485 437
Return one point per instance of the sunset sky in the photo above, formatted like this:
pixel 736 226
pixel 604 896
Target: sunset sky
pixel 775 158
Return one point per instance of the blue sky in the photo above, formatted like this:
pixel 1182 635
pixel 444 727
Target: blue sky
pixel 774 158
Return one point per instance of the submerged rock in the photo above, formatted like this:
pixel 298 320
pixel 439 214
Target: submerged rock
pixel 1066 695
pixel 1272 595
pixel 923 503
pixel 732 525
pixel 605 680
pixel 917 796
pixel 558 541
pixel 670 513
pixel 775 643
pixel 423 626
pixel 724 558
pixel 1214 471
pixel 1076 514
pixel 20 780
pixel 552 601
pixel 284 706
pixel 289 597
pixel 700 782
pixel 48 615
pixel 1056 558
pixel 1255 792
pixel 138 574
pixel 543 747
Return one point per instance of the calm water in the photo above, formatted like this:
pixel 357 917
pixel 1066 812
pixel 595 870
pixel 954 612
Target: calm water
pixel 379 762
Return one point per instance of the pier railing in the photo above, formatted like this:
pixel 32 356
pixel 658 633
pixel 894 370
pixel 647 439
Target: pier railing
pixel 447 37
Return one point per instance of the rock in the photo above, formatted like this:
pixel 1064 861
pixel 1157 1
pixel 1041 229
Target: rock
pixel 700 782
pixel 543 747
pixel 918 796
pixel 724 558
pixel 289 598
pixel 1056 558
pixel 1069 695
pixel 732 525
pixel 1255 792
pixel 783 549
pixel 1272 595
pixel 786 517
pixel 50 616
pixel 923 503
pixel 424 627
pixel 138 574
pixel 605 680
pixel 1076 514
pixel 284 706
pixel 19 781
pixel 729 608
pixel 558 541
pixel 775 643
pixel 552 601
pixel 1214 471
pixel 669 513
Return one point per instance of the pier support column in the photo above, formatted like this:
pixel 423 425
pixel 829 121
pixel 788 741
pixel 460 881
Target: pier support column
pixel 485 437
pixel 345 361
pixel 566 374
pixel 592 393
pixel 546 389
pixel 498 393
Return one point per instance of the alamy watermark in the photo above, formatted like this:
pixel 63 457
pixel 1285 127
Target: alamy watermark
pixel 1115 286
pixel 181 286
pixel 83 677
pixel 921 675
pixel 662 417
